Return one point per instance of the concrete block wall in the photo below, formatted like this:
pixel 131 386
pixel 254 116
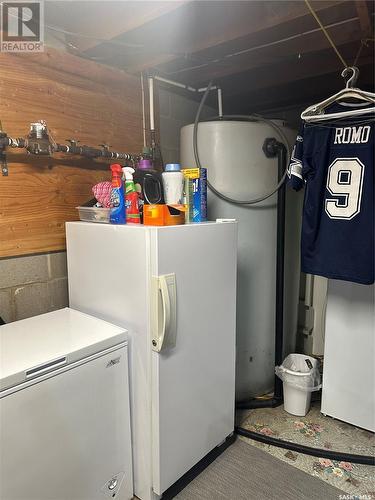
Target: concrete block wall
pixel 32 285
pixel 175 112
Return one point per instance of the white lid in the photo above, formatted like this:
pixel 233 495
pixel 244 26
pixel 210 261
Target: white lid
pixel 63 336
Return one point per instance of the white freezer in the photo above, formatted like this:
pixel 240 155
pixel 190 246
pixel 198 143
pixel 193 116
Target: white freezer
pixel 348 391
pixel 64 410
pixel 152 280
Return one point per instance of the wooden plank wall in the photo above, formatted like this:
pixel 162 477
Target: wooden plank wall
pixel 80 99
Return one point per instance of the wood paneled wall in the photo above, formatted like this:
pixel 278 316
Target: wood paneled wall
pixel 79 99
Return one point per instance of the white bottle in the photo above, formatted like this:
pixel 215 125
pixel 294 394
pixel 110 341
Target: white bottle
pixel 173 181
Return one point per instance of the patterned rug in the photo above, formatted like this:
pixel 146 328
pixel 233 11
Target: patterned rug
pixel 321 432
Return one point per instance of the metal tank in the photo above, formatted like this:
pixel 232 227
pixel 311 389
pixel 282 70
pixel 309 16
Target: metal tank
pixel 237 167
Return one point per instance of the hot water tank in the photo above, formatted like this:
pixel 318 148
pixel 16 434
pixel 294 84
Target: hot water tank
pixel 237 167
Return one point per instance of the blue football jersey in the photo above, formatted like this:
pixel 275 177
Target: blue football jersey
pixel 335 163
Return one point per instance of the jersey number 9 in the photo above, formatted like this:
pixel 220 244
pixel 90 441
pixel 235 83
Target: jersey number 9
pixel 344 183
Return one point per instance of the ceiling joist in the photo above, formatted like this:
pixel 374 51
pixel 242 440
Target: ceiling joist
pixel 201 25
pixel 364 18
pixel 290 50
pixel 247 46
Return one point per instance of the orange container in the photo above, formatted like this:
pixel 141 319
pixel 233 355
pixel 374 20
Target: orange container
pixel 163 215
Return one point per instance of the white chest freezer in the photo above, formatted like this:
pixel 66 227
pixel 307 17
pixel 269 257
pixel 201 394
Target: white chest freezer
pixel 64 409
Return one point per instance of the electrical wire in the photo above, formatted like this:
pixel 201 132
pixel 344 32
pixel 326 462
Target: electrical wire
pixel 243 117
pixel 327 35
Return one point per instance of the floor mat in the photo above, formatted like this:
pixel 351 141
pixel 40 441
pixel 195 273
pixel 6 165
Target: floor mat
pixel 244 472
pixel 318 431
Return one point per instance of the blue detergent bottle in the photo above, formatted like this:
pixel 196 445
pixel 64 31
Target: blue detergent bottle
pixel 118 212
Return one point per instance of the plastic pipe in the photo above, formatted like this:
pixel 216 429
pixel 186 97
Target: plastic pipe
pixel 151 97
pixel 203 89
pixel 175 84
pixel 220 102
pixel 143 111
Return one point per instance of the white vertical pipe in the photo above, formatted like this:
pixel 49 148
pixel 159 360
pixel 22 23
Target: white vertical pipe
pixel 309 288
pixel 175 84
pixel 203 89
pixel 143 111
pixel 220 102
pixel 151 97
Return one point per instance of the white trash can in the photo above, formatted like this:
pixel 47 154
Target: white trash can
pixel 300 376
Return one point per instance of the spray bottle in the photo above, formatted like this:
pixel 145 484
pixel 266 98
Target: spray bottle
pixel 131 197
pixel 117 214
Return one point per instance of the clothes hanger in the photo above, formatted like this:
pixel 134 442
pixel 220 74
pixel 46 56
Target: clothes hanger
pixel 316 111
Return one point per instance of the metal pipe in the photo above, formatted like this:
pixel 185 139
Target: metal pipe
pixel 90 152
pixel 280 238
pixel 74 149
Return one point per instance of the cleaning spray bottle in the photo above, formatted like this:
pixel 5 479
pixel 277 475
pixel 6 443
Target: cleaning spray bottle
pixel 117 214
pixel 131 197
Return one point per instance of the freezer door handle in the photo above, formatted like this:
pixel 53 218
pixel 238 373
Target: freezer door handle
pixel 166 305
pixel 164 312
pixel 36 371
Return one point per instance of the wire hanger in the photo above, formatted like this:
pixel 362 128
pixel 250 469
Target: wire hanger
pixel 350 82
pixel 316 111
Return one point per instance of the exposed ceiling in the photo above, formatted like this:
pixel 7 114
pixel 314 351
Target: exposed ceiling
pixel 264 54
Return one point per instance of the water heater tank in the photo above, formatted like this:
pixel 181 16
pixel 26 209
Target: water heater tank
pixel 236 166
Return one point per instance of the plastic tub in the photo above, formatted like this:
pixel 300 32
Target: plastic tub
pixel 94 214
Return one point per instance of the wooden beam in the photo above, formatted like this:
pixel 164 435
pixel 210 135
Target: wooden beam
pixel 271 34
pixel 158 59
pixel 295 94
pixel 198 26
pixel 104 20
pixel 364 18
pixel 312 64
pixel 292 49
